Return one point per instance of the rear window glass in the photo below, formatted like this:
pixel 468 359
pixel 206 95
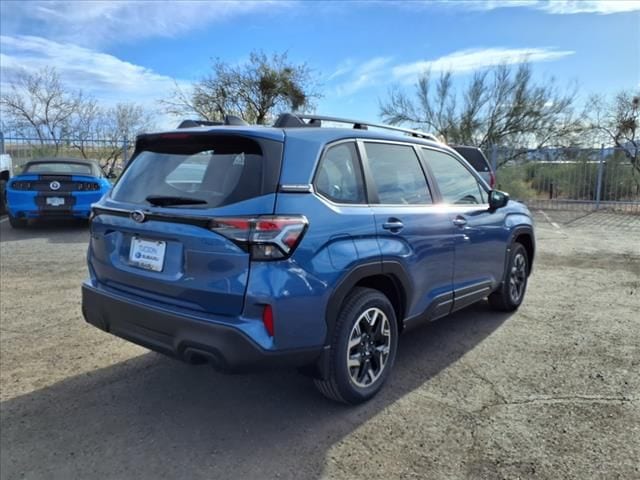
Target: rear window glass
pixel 217 171
pixel 475 157
pixel 59 168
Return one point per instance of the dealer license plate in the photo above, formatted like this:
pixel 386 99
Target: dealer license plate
pixel 55 201
pixel 147 254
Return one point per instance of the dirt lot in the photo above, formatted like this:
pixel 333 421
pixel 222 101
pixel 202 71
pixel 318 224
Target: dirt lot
pixel 552 391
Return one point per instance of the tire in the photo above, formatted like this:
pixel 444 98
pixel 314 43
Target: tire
pixel 511 292
pixel 367 316
pixel 17 222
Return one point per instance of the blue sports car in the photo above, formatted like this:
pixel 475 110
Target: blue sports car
pixel 55 188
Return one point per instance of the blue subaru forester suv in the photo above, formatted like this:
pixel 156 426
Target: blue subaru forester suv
pixel 299 245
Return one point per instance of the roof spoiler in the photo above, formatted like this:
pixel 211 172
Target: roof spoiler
pixel 228 120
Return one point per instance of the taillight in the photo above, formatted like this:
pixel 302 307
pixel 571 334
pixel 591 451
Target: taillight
pixel 87 186
pixel 21 185
pixel 267 319
pixel 266 237
pixel 492 180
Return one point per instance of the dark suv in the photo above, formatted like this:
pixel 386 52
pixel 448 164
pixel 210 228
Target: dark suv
pixel 478 161
pixel 298 245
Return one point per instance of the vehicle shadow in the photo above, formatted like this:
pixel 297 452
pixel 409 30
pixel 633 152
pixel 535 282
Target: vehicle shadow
pixel 153 417
pixel 59 231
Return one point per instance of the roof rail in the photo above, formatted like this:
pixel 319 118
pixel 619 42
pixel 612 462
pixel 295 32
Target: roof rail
pixel 228 120
pixel 297 120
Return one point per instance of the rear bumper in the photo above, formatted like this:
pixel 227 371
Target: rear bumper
pixel 183 337
pixel 30 204
pixel 50 214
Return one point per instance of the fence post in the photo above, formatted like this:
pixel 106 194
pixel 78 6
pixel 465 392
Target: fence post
pixel 1 142
pixel 600 172
pixel 125 151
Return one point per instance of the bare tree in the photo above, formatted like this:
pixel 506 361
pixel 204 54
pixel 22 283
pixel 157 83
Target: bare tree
pixel 38 105
pixel 502 106
pixel 83 126
pixel 253 91
pixel 110 127
pixel 615 121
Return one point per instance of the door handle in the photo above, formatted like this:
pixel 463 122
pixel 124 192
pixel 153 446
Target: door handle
pixel 393 224
pixel 459 221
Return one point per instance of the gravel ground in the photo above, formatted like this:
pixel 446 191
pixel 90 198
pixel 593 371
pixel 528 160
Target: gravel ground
pixel 552 391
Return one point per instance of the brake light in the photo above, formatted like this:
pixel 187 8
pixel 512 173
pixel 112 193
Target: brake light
pixel 267 319
pixel 87 186
pixel 268 237
pixel 21 185
pixel 176 136
pixel 492 179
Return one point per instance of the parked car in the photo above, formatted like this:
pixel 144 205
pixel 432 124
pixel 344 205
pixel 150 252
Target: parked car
pixel 299 245
pixel 478 161
pixel 55 188
pixel 6 170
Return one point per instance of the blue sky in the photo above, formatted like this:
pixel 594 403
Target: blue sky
pixel 135 51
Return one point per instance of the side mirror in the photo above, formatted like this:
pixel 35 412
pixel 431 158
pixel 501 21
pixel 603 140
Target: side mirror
pixel 497 199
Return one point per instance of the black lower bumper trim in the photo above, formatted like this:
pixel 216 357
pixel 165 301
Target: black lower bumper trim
pixel 195 341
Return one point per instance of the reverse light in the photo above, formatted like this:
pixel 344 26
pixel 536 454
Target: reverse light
pixel 266 237
pixel 267 319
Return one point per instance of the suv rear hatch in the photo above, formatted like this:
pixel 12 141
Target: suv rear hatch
pixel 154 236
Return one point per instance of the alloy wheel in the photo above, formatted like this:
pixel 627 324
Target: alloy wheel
pixel 369 346
pixel 517 277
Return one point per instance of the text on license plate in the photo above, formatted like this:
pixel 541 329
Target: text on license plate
pixel 147 254
pixel 55 201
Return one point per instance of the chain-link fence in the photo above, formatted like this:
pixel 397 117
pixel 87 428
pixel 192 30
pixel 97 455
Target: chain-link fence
pixel 551 178
pixel 569 178
pixel 111 153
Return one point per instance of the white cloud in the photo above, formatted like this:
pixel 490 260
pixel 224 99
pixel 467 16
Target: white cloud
pixel 99 23
pixel 350 77
pixel 602 7
pixel 465 61
pixel 97 74
pixel 558 7
pixel 342 69
pixel 361 76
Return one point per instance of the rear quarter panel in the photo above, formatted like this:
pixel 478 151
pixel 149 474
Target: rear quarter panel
pixel 337 239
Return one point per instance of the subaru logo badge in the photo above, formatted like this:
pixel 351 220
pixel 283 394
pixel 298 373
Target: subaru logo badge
pixel 138 216
pixel 55 185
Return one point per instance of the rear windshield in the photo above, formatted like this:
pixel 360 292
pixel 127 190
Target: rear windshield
pixel 59 168
pixel 475 157
pixel 215 170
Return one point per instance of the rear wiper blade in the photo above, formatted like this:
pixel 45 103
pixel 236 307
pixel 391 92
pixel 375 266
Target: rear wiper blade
pixel 166 201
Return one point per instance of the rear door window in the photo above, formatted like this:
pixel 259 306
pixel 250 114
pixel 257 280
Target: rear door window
pixel 217 170
pixel 457 184
pixel 397 174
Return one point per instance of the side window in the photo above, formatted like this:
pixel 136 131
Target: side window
pixel 457 184
pixel 397 174
pixel 339 176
